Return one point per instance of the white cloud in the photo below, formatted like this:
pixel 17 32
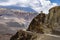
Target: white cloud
pixel 37 5
pixel 43 5
pixel 10 2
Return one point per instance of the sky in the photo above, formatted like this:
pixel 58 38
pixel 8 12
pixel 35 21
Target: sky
pixel 37 5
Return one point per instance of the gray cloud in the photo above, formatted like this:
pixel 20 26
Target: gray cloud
pixel 3 0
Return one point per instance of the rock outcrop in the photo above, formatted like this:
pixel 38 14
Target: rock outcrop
pixel 24 35
pixel 37 23
pixel 54 17
pixel 27 35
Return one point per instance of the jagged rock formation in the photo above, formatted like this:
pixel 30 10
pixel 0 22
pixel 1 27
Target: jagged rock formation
pixel 41 24
pixel 37 23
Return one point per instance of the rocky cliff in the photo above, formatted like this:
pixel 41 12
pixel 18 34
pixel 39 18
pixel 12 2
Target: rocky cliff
pixel 37 23
pixel 54 18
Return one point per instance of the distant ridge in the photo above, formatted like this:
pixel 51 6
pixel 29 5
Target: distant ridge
pixel 28 9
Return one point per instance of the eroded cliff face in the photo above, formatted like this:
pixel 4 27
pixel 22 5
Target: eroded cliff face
pixel 54 17
pixel 41 24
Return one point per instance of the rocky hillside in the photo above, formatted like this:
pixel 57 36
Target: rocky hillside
pixel 41 29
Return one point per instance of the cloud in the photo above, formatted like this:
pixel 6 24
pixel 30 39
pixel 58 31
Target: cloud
pixel 42 5
pixel 8 2
pixel 37 5
pixel 3 1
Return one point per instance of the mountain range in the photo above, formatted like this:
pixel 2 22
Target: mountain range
pixel 28 9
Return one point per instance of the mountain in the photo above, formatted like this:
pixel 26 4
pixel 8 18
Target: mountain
pixel 28 9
